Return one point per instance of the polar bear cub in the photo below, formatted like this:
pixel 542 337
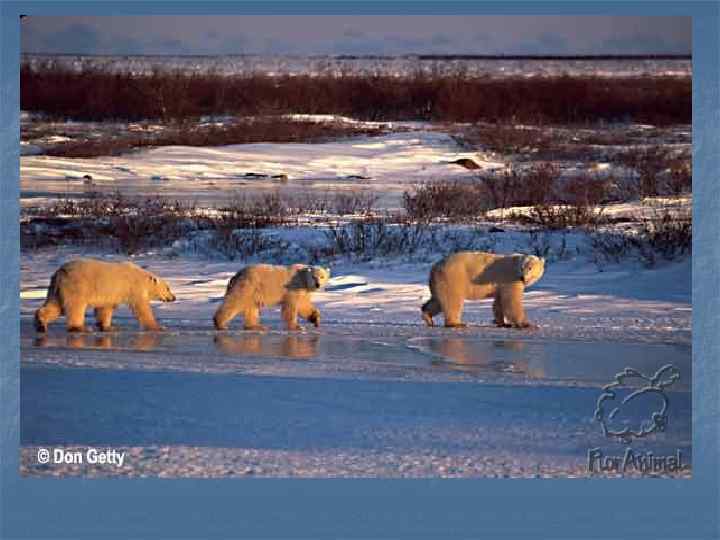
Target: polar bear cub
pixel 84 283
pixel 475 275
pixel 265 285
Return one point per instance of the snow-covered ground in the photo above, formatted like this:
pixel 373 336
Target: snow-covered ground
pixel 289 65
pixel 387 165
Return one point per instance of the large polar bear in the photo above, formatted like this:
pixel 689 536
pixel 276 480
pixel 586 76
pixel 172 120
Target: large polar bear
pixel 474 275
pixel 81 283
pixel 265 285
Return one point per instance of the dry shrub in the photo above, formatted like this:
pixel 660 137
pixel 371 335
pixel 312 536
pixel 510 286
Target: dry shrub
pixel 130 224
pixel 587 190
pixel 502 189
pixel 657 173
pixel 668 232
pixel 665 233
pixel 377 236
pixel 539 183
pixel 564 216
pixel 533 186
pixel 575 203
pixel 680 179
pixel 454 200
pixel 507 138
pixel 238 243
pixel 125 223
pixel 347 203
pixel 255 212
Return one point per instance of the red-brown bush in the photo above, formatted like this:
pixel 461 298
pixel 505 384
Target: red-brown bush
pixel 95 94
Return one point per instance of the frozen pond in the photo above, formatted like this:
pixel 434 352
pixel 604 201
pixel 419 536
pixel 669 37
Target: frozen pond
pixel 403 353
pixel 387 404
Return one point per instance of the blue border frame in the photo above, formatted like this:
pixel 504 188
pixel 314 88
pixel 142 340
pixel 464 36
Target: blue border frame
pixel 115 508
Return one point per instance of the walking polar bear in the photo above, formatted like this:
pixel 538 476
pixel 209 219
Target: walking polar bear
pixel 475 275
pixel 264 285
pixel 84 283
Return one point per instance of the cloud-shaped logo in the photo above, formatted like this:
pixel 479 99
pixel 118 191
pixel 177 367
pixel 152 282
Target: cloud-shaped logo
pixel 643 388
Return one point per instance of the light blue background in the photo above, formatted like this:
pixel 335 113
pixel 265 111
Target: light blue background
pixel 80 508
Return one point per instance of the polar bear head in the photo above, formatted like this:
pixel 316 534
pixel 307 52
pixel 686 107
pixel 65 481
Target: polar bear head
pixel 313 277
pixel 319 276
pixel 159 289
pixel 531 269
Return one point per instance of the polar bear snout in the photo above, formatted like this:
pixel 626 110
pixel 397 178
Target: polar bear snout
pixel 166 295
pixel 312 277
pixel 532 269
pixel 162 290
pixel 320 276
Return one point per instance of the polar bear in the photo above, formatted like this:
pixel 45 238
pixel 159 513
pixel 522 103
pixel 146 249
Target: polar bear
pixel 265 285
pixel 474 275
pixel 103 285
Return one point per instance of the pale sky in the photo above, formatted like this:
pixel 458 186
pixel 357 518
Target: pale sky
pixel 357 34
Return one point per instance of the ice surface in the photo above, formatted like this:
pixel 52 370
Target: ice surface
pixel 196 424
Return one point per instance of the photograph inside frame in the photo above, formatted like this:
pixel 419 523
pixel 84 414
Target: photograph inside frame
pixel 356 246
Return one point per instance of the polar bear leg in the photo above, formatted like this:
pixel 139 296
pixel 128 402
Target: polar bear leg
pixel 47 314
pixel 511 296
pixel 498 311
pixel 429 310
pixel 452 308
pixel 290 313
pixel 252 319
pixel 146 318
pixel 103 318
pixel 308 311
pixel 75 316
pixel 227 311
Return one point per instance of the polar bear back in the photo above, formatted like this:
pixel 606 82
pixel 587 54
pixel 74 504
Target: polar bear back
pixel 101 283
pixel 480 273
pixel 478 267
pixel 268 282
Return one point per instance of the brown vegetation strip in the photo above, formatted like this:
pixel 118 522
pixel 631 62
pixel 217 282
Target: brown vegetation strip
pixel 101 95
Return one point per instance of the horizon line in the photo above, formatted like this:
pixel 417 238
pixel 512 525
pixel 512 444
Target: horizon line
pixel 418 56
